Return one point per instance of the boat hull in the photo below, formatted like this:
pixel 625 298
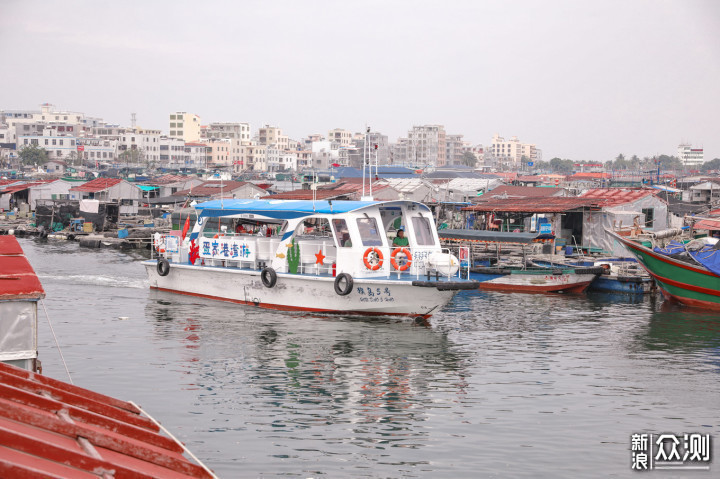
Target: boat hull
pixel 686 283
pixel 627 285
pixel 369 297
pixel 533 282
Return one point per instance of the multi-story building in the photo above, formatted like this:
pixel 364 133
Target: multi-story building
pixel 399 152
pixel 342 137
pixel 143 146
pixel 195 155
pixel 280 160
pixel 509 154
pixel 272 135
pixel 185 125
pixel 689 156
pixel 455 149
pixel 379 149
pixel 236 131
pixel 172 152
pixel 427 145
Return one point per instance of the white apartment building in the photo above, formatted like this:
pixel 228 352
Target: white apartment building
pixel 509 153
pixel 172 152
pixel 236 131
pixel 399 152
pixel 427 145
pixel 689 156
pixel 147 142
pixel 279 161
pixel 185 125
pixel 195 156
pixel 57 147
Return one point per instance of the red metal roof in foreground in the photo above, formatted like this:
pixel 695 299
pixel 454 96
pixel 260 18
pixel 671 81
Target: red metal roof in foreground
pixel 49 428
pixel 17 278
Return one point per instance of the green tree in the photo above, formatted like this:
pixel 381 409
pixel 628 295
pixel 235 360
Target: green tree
pixel 469 159
pixel 33 155
pixel 132 156
pixel 711 165
pixel 561 166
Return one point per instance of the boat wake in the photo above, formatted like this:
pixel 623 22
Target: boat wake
pixel 96 280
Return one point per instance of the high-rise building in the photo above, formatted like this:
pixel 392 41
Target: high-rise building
pixel 689 156
pixel 185 125
pixel 427 145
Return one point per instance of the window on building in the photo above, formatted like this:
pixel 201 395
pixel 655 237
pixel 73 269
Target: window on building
pixel 61 142
pixel 34 141
pixel 58 153
pixel 46 141
pixel 649 217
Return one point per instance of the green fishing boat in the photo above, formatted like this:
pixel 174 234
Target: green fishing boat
pixel 682 279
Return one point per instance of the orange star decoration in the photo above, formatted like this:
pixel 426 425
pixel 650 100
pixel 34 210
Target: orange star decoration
pixel 320 257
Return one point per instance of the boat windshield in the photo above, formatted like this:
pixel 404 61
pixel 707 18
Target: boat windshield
pixel 369 233
pixel 423 231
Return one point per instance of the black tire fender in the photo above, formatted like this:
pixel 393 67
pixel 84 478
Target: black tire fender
pixel 268 276
pixel 163 267
pixel 343 290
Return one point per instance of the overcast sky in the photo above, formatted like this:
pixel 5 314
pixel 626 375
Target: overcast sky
pixel 581 80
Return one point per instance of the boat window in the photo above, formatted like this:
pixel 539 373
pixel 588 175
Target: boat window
pixel 423 231
pixel 369 233
pixel 342 233
pixel 314 227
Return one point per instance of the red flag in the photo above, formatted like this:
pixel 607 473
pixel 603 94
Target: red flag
pixel 186 227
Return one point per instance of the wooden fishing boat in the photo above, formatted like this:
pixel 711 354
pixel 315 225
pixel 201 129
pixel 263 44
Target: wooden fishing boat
pixel 683 279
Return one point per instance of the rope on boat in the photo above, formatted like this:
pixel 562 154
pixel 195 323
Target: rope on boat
pixel 56 342
pixel 188 451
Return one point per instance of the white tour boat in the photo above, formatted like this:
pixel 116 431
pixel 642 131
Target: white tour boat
pixel 315 256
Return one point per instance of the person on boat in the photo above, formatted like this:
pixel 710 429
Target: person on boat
pixel 346 240
pixel 400 239
pixel 240 229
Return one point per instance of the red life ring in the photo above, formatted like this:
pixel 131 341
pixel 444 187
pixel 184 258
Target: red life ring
pixel 366 258
pixel 394 263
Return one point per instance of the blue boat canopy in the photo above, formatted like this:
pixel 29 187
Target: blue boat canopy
pixel 281 209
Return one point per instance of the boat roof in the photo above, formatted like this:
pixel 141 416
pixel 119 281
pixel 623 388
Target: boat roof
pixel 286 209
pixel 17 277
pixel 54 429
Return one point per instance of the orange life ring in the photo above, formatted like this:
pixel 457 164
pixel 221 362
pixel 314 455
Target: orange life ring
pixel 393 262
pixel 366 257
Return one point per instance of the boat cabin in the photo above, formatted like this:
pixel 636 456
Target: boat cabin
pixel 361 238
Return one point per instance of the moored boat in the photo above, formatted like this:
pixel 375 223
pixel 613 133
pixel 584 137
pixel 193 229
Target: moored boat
pixel 315 256
pixel 520 279
pixel 680 277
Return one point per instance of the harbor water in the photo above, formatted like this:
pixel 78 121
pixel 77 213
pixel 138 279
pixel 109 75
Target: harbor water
pixel 496 385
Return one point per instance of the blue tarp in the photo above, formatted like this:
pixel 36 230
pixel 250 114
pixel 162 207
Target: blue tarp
pixel 708 256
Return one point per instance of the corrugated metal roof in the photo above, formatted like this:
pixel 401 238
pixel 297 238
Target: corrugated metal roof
pixel 17 277
pixel 23 185
pixel 552 204
pixel 707 224
pixel 213 188
pixel 617 196
pixel 49 428
pixel 96 185
pixel 522 191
